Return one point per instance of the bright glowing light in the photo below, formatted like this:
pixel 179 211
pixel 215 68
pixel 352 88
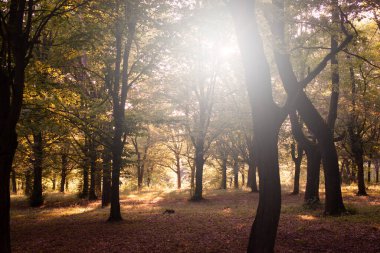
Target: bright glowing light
pixel 227 51
pixel 306 217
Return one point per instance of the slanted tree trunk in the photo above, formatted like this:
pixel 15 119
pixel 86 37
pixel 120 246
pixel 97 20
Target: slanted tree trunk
pixel 313 120
pixel 36 198
pixel 297 159
pixel 355 132
pixel 267 118
pixel 313 160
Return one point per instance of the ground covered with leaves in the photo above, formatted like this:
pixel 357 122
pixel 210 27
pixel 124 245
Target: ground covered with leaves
pixel 221 223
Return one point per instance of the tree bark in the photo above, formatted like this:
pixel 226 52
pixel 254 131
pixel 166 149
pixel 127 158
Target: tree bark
pixel 252 179
pixel 64 164
pixel 313 172
pixel 267 119
pixel 36 198
pixel 106 193
pixel 93 172
pixel 236 173
pixel 369 170
pixel 297 159
pixel 178 171
pixel 313 120
pixel 7 151
pixel 313 160
pixel 54 182
pixel 242 176
pixel 85 176
pixel 224 174
pixel 361 182
pixel 14 182
pixel 355 132
pixel 119 93
pixel 28 182
pixel 199 163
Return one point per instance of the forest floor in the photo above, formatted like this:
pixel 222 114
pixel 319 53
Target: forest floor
pixel 221 223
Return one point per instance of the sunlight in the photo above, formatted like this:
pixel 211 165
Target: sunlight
pixel 306 217
pixel 228 51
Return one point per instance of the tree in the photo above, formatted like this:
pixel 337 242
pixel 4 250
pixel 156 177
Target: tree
pixel 312 118
pixel 297 154
pixel 267 119
pixel 21 29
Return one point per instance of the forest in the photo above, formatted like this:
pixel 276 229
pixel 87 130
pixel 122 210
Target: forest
pixel 189 126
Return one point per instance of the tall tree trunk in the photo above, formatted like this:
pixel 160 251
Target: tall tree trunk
pixel 36 198
pixel 28 182
pixel 236 172
pixel 140 174
pixel 355 132
pixel 313 157
pixel 316 124
pixel 312 179
pixel 14 182
pixel 12 83
pixel 85 170
pixel 252 179
pixel 199 163
pixel 377 170
pixel 242 176
pixel 267 119
pixel 345 172
pixel 369 169
pixel 93 172
pixel 119 91
pixel 117 151
pixel 54 182
pixel 297 159
pixel 64 164
pixel 7 151
pixel 224 174
pixel 106 193
pixel 361 185
pixel 192 181
pixel 178 171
